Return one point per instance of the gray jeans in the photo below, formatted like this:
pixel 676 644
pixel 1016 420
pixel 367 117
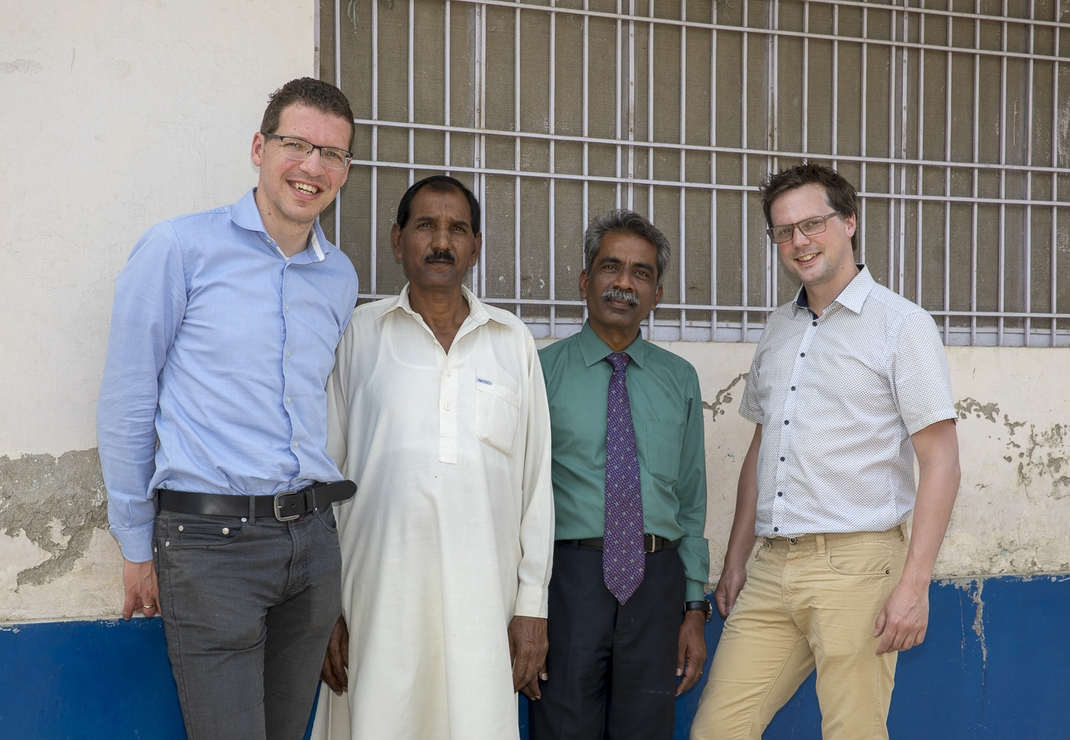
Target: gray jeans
pixel 247 608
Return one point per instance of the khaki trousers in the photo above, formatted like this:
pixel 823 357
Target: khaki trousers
pixel 809 602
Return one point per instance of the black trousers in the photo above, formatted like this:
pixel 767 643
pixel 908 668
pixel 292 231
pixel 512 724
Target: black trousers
pixel 611 667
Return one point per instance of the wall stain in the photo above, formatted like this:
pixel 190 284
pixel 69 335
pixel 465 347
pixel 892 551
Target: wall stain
pixel 968 406
pixel 58 503
pixel 1041 454
pixel 723 396
pixel 21 66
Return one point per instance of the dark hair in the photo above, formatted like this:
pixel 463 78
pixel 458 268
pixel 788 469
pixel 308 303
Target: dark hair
pixel 317 94
pixel 839 194
pixel 438 184
pixel 624 222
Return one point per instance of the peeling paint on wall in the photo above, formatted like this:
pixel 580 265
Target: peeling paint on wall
pixel 57 558
pixel 1039 456
pixel 723 397
pixel 56 504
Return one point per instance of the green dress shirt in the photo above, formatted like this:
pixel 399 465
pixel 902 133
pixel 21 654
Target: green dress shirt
pixel 667 416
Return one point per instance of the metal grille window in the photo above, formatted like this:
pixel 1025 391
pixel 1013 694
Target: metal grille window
pixel 952 118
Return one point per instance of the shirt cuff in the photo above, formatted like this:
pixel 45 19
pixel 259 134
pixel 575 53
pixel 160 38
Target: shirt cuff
pixel 136 544
pixel 531 602
pixel 695 591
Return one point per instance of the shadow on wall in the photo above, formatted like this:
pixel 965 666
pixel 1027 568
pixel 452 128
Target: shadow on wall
pixel 995 665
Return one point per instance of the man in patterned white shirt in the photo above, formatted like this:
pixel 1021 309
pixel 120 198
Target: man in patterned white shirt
pixel 848 383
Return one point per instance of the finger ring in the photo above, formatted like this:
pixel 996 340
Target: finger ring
pixel 148 606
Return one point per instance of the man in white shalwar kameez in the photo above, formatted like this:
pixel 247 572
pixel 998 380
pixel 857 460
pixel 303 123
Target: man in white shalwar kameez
pixel 438 412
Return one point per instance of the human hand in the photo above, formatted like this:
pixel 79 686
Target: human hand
pixel 527 651
pixel 335 671
pixel 728 588
pixel 691 650
pixel 140 588
pixel 904 618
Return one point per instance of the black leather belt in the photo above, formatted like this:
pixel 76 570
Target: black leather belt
pixel 284 506
pixel 651 543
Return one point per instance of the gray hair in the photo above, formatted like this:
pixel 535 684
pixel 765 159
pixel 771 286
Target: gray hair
pixel 622 221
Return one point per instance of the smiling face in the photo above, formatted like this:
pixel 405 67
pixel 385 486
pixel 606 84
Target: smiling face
pixel 437 245
pixel 292 194
pixel 822 262
pixel 622 287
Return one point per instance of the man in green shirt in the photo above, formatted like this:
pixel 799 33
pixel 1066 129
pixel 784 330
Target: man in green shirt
pixel 627 608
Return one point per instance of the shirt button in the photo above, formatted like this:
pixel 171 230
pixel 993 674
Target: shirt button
pixel 776 529
pixel 786 421
pixel 781 459
pixel 449 373
pixel 294 445
pixel 779 493
pixel 287 353
pixel 287 308
pixel 802 354
pixel 793 387
pixel 287 399
pixel 814 324
pixel 447 406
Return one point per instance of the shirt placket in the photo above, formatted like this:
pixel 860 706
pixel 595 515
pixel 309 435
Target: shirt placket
pixel 448 393
pixel 789 422
pixel 287 364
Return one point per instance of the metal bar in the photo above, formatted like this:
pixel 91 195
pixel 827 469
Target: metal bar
pixel 863 139
pixel 552 121
pixel 919 255
pixel 682 262
pixel 674 146
pixel 976 157
pixel 374 220
pixel 516 163
pixel 948 78
pixel 862 4
pixel 1001 236
pixel 713 178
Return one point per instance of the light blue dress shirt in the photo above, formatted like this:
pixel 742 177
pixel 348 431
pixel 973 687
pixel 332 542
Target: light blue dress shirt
pixel 220 349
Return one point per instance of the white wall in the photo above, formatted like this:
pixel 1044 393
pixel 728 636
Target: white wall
pixel 1013 510
pixel 151 107
pixel 114 115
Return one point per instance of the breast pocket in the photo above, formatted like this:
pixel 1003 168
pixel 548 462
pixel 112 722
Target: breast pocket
pixel 497 416
pixel 663 441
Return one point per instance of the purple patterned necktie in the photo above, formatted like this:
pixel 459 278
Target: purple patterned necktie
pixel 623 559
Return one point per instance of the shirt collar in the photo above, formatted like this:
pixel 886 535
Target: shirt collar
pixel 246 215
pixel 595 350
pixel 853 297
pixel 477 312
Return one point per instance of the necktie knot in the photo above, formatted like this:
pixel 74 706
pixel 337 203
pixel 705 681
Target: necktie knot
pixel 619 361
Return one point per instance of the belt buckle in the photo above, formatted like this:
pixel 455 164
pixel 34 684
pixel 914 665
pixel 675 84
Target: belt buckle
pixel 653 543
pixel 275 501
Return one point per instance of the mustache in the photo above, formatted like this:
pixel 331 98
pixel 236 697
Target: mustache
pixel 440 255
pixel 618 294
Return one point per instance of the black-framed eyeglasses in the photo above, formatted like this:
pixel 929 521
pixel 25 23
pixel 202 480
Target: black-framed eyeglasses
pixel 299 150
pixel 809 227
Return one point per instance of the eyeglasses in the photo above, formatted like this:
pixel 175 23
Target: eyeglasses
pixel 299 150
pixel 808 227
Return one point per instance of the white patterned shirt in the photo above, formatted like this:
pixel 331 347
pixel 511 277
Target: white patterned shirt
pixel 838 397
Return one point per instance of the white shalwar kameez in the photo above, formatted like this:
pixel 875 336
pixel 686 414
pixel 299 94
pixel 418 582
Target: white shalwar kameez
pixel 450 533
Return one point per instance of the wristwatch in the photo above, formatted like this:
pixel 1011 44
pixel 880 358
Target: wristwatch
pixel 700 606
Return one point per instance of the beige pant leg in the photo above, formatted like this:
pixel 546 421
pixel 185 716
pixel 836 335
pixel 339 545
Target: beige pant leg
pixel 761 658
pixel 840 592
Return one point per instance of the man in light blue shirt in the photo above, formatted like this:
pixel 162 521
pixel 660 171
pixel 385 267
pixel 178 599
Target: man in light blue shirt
pixel 211 427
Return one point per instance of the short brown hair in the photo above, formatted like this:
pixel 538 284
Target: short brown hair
pixel 839 194
pixel 317 94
